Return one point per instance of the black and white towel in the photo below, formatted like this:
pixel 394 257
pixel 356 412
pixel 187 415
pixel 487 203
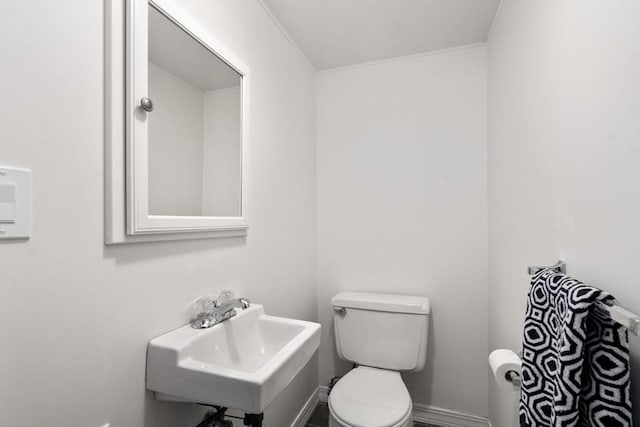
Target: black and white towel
pixel 575 364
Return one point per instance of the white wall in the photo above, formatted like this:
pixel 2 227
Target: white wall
pixel 402 208
pixel 176 133
pixel 75 316
pixel 564 150
pixel 222 153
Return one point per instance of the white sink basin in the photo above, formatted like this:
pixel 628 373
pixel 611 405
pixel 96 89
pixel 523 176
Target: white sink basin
pixel 241 363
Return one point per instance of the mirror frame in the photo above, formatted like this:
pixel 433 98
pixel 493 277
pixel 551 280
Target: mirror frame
pixel 127 217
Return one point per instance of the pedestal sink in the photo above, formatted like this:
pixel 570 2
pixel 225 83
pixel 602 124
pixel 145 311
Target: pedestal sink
pixel 241 363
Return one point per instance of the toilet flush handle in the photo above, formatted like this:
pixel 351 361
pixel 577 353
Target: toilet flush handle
pixel 340 310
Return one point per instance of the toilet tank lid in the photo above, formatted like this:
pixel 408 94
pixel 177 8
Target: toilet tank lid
pixel 382 302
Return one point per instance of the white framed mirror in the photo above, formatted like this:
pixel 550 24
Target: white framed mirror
pixel 177 121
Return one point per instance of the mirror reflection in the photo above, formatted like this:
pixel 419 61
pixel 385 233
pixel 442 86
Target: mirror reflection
pixel 195 137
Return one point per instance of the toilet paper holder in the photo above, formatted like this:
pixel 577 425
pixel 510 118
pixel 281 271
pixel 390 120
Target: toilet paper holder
pixel 514 378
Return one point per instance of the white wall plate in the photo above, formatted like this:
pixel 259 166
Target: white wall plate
pixel 15 203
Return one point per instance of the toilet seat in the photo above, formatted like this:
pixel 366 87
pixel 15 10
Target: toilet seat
pixel 370 397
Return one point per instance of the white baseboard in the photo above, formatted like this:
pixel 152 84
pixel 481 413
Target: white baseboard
pixel 430 414
pixel 323 392
pixel 308 408
pixel 445 417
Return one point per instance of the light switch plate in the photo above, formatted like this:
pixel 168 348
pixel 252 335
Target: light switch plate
pixel 7 203
pixel 15 203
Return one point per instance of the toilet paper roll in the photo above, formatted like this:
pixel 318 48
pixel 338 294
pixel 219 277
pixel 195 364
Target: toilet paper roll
pixel 502 361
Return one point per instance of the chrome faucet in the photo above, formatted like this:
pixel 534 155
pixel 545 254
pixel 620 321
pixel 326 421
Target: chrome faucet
pixel 211 312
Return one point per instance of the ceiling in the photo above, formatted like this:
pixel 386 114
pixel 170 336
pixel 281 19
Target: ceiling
pixel 337 33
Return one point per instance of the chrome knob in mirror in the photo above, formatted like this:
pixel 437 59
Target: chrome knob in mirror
pixel 146 104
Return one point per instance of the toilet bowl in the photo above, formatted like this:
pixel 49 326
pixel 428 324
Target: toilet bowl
pixel 370 397
pixel 383 334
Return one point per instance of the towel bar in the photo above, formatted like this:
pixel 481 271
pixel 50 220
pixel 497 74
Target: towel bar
pixel 625 317
pixel 561 266
pixel 619 314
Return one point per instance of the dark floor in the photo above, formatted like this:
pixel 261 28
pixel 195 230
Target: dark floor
pixel 320 418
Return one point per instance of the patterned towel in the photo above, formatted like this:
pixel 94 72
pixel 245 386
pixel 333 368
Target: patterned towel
pixel 575 365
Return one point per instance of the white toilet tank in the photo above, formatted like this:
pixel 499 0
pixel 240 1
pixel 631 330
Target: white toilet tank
pixel 381 330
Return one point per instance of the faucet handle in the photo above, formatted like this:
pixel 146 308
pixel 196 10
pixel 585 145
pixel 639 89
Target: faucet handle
pixel 225 296
pixel 204 307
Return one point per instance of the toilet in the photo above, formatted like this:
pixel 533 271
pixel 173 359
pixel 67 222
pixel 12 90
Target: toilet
pixel 382 334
